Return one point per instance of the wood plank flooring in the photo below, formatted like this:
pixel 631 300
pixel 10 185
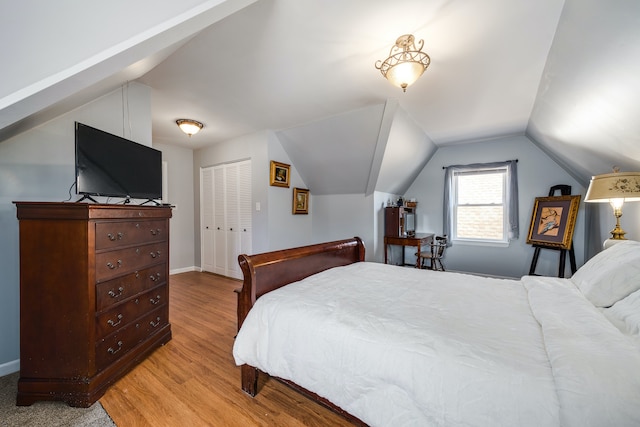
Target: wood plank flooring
pixel 193 381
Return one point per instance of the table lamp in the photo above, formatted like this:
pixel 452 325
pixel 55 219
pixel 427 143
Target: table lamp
pixel 615 188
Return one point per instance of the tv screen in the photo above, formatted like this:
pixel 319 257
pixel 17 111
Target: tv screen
pixel 108 165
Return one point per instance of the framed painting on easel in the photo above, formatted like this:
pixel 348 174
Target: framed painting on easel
pixel 553 220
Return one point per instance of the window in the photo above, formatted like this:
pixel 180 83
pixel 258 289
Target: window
pixel 481 203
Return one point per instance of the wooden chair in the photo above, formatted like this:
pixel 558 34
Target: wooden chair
pixel 434 254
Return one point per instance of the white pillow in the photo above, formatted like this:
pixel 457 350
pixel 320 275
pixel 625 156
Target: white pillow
pixel 610 275
pixel 626 314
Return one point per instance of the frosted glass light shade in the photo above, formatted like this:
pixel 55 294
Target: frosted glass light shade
pixel 188 126
pixel 405 74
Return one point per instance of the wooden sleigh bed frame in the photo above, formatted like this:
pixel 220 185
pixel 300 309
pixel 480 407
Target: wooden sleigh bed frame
pixel 269 271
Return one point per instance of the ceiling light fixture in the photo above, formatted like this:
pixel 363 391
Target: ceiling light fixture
pixel 615 188
pixel 405 63
pixel 188 126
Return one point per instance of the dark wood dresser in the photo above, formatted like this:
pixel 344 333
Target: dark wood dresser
pixel 94 296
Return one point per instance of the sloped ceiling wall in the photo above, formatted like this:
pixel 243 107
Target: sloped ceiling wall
pixel 334 155
pixel 377 148
pixel 587 112
pixel 407 151
pixel 62 56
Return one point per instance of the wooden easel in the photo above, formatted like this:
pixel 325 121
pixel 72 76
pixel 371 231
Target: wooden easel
pixel 565 190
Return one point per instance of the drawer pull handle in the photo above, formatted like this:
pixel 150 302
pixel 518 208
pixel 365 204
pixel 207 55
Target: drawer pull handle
pixel 113 294
pixel 114 237
pixel 155 232
pixel 155 278
pixel 112 351
pixel 114 324
pixel 155 324
pixel 155 301
pixel 113 267
pixel 154 254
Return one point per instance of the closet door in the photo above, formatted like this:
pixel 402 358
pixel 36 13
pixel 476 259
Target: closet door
pixel 206 235
pixel 219 220
pixel 226 217
pixel 238 215
pixel 244 202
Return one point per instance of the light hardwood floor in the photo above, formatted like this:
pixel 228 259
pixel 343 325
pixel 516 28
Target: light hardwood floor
pixel 192 381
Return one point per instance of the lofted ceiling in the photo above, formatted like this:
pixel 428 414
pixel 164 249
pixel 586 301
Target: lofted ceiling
pixel 563 72
pixel 282 63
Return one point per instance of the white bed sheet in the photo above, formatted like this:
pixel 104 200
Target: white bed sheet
pixel 405 347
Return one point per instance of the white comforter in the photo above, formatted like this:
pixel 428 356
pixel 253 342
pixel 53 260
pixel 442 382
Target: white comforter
pixel 406 347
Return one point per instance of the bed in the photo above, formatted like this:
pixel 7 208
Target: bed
pixel 386 345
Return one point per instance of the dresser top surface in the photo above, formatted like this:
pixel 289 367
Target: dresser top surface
pixel 86 211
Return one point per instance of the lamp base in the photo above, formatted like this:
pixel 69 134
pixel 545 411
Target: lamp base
pixel 618 234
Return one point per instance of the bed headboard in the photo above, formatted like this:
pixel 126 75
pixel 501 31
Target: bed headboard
pixel 271 270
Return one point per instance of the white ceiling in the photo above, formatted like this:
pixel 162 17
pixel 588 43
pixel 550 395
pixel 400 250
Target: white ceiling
pixel 278 64
pixel 562 72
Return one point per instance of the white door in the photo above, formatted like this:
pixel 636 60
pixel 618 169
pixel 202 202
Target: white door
pixel 244 202
pixel 238 215
pixel 219 221
pixel 206 235
pixel 226 217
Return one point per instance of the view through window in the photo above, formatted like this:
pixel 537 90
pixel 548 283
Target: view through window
pixel 480 205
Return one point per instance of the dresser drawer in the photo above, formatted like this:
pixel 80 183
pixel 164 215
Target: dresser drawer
pixel 120 315
pixel 115 345
pixel 115 234
pixel 113 291
pixel 122 261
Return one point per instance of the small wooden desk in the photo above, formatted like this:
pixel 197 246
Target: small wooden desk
pixel 419 240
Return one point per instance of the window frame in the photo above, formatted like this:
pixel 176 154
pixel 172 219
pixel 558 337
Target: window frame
pixel 475 171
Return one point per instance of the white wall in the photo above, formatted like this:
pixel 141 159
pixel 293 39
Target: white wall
pixel 180 194
pixel 536 173
pixel 39 165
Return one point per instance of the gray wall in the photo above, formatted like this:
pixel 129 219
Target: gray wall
pixel 536 173
pixel 39 165
pixel 180 194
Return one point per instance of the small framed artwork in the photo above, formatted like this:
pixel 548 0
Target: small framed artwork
pixel 280 174
pixel 300 201
pixel 553 220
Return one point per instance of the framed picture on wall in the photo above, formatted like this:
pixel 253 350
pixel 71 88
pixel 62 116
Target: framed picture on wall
pixel 279 174
pixel 553 221
pixel 300 201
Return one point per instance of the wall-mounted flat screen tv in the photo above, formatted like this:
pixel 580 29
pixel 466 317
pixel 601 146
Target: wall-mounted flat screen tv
pixel 111 166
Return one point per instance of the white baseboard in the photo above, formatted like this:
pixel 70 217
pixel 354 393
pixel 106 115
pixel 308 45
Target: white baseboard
pixel 184 270
pixel 9 367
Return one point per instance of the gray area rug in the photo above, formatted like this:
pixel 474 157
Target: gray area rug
pixel 49 414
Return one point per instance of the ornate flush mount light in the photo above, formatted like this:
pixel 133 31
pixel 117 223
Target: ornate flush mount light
pixel 188 126
pixel 405 63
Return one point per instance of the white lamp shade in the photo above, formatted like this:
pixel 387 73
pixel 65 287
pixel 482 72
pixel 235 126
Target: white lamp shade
pixel 618 185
